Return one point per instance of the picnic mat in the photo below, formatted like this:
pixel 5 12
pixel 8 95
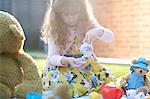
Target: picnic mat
pixel 46 94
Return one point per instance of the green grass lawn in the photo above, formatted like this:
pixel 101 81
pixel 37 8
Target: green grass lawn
pixel 40 63
pixel 117 70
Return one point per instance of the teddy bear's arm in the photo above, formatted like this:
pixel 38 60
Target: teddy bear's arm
pixel 31 79
pixel 29 67
pixel 5 91
pixel 147 83
pixel 125 79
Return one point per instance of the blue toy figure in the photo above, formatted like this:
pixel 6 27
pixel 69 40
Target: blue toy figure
pixel 138 72
pixel 32 95
pixel 137 79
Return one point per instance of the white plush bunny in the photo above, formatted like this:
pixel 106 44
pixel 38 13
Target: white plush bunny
pixel 86 49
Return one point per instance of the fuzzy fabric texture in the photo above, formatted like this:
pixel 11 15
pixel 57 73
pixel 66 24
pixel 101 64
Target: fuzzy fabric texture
pixel 137 79
pixel 18 71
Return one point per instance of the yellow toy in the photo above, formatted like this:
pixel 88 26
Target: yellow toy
pixel 95 95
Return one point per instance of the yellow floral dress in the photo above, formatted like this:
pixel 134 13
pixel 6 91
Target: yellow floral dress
pixel 81 82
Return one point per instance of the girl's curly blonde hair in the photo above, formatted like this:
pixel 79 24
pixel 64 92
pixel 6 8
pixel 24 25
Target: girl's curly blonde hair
pixel 54 26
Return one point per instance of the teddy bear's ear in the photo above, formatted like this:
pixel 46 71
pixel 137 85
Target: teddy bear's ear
pixel 17 33
pixel 148 62
pixel 133 61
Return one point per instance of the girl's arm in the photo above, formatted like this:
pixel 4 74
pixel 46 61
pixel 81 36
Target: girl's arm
pixel 98 31
pixel 54 57
pixel 106 35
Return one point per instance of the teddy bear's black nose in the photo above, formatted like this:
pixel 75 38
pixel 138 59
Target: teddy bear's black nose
pixel 141 71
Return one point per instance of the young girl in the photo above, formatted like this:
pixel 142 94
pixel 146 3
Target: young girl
pixel 67 24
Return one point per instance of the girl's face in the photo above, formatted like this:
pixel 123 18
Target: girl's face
pixel 68 11
pixel 70 19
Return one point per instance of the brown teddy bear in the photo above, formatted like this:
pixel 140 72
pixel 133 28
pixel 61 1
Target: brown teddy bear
pixel 137 79
pixel 18 71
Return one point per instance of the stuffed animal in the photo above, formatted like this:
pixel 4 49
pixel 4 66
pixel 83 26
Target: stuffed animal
pixel 61 91
pixel 86 50
pixel 18 70
pixel 137 80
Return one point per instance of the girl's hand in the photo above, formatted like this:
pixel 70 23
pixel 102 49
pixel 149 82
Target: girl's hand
pixel 69 60
pixel 92 34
